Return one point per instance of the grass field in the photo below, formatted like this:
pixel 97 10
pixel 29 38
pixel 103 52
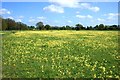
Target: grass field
pixel 60 54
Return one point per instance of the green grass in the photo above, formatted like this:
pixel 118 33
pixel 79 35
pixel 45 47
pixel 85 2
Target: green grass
pixel 60 54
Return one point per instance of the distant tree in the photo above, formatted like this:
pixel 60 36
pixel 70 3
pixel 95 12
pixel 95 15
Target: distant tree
pixel 73 28
pixel 55 28
pixel 118 27
pixel 115 27
pixel 11 24
pixel 89 28
pixel 68 27
pixel 96 27
pixel 106 27
pixel 31 27
pixel 101 27
pixel 47 27
pixel 40 26
pixel 62 28
pixel 21 26
pixel 4 24
pixel 79 27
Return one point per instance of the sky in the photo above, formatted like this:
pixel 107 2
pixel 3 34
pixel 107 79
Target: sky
pixel 59 13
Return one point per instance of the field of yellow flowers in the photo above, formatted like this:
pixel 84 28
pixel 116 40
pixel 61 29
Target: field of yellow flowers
pixel 60 54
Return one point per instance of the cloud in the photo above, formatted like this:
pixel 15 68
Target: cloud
pixel 59 5
pixel 56 21
pixel 77 12
pixel 69 21
pixel 41 18
pixel 66 3
pixel 100 20
pixel 75 4
pixel 54 8
pixel 68 0
pixel 89 16
pixel 10 17
pixel 31 17
pixel 83 17
pixel 89 7
pixel 95 9
pixel 4 11
pixel 21 17
pixel 32 20
pixel 112 16
pixel 80 16
pixel 109 18
pixel 19 20
pixel 37 19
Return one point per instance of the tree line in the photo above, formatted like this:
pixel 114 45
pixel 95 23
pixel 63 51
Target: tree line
pixel 10 24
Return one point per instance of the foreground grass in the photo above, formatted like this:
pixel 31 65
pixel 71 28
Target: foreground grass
pixel 60 54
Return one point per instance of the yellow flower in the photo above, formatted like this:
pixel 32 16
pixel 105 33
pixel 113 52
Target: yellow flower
pixel 22 62
pixel 14 65
pixel 94 75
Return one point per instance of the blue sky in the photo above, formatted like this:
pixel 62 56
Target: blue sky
pixel 62 13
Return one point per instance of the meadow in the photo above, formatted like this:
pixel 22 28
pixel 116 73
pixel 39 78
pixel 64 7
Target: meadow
pixel 60 54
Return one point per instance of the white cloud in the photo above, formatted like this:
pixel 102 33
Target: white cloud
pixel 69 21
pixel 10 17
pixel 31 17
pixel 58 5
pixel 47 0
pixel 112 16
pixel 41 18
pixel 80 16
pixel 31 20
pixel 95 9
pixel 19 20
pixel 89 7
pixel 89 16
pixel 37 19
pixel 4 11
pixel 21 17
pixel 56 21
pixel 66 3
pixel 75 4
pixel 100 20
pixel 54 8
pixel 77 12
pixel 83 16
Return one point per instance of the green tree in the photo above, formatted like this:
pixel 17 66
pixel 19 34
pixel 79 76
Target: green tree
pixel 3 26
pixel 40 26
pixel 68 27
pixel 79 27
pixel 21 26
pixel 11 24
pixel 96 27
pixel 47 27
pixel 89 28
pixel 63 28
pixel 101 27
pixel 31 27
